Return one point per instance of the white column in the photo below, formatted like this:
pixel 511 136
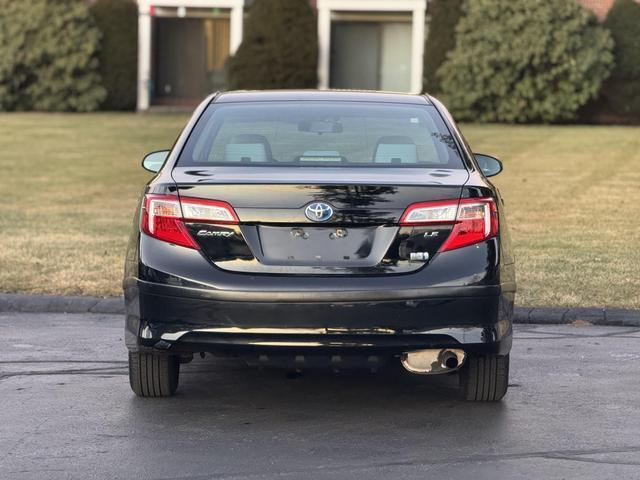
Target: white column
pixel 144 57
pixel 235 29
pixel 324 46
pixel 417 49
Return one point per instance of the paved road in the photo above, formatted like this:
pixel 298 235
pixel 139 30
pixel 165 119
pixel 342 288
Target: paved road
pixel 66 412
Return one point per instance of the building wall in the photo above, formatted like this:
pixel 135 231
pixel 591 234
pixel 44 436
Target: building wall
pixel 599 7
pixel 325 9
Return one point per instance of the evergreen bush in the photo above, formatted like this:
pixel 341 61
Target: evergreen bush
pixel 117 21
pixel 279 48
pixel 49 56
pixel 525 61
pixel 621 92
pixel 441 37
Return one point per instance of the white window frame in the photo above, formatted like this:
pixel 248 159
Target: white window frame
pixel 144 35
pixel 417 9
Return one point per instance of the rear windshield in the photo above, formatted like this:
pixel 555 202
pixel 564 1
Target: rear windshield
pixel 321 134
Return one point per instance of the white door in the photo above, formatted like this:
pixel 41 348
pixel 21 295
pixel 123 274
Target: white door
pixel 395 61
pixel 371 55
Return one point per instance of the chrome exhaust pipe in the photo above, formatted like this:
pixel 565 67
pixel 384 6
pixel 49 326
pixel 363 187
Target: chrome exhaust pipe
pixel 433 361
pixel 449 359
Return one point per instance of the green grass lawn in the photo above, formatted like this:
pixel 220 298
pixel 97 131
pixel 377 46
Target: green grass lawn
pixel 72 181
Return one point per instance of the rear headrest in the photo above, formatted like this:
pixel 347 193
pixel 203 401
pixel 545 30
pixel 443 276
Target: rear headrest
pixel 247 147
pixel 396 149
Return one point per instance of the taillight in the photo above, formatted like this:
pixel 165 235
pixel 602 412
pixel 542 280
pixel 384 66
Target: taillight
pixel 474 219
pixel 207 211
pixel 430 213
pixel 163 217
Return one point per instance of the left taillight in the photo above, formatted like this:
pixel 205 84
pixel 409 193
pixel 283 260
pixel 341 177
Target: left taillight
pixel 474 219
pixel 164 217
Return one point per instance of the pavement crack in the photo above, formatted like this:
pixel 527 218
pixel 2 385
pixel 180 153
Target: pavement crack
pixel 592 460
pixel 61 361
pixel 24 437
pixel 83 371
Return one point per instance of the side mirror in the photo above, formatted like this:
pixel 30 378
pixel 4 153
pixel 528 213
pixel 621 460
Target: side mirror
pixel 489 165
pixel 154 160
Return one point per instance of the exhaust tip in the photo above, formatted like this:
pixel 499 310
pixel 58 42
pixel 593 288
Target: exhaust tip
pixel 433 361
pixel 449 359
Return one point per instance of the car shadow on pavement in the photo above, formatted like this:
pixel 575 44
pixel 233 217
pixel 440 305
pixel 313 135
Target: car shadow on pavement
pixel 216 391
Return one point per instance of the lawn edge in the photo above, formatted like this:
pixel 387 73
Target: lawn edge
pixel 32 303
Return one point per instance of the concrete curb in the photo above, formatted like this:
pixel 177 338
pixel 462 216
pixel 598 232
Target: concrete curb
pixel 620 317
pixel 17 302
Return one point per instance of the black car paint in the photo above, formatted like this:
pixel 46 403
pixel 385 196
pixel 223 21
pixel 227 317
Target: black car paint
pixel 390 308
pixel 362 207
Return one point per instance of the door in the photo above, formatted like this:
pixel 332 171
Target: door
pixel 395 57
pixel 371 55
pixel 355 55
pixel 189 58
pixel 180 59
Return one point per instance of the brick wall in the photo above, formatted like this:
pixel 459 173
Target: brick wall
pixel 599 7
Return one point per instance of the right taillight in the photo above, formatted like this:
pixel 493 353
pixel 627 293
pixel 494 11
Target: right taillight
pixel 474 219
pixel 163 217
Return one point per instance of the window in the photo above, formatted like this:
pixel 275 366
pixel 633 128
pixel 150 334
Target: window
pixel 321 134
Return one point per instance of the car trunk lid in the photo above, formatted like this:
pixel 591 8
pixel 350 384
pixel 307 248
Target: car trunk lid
pixel 278 234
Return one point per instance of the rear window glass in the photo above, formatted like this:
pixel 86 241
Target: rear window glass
pixel 321 134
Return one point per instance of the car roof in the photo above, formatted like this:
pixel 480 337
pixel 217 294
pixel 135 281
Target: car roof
pixel 319 95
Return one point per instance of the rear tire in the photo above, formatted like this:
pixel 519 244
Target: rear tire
pixel 152 375
pixel 485 378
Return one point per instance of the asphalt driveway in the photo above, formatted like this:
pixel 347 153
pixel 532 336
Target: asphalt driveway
pixel 66 412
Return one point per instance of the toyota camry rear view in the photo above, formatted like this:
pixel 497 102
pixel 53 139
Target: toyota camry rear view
pixel 305 229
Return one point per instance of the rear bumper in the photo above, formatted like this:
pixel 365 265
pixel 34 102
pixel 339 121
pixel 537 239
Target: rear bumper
pixel 177 302
pixel 179 320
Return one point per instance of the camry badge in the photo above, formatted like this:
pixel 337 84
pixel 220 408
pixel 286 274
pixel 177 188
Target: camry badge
pixel 214 233
pixel 318 212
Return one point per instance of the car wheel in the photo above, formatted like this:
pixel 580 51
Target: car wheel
pixel 152 375
pixel 485 378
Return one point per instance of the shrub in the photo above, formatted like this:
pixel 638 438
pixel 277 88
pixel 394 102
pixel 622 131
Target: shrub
pixel 117 21
pixel 279 49
pixel 441 39
pixel 621 92
pixel 525 61
pixel 48 59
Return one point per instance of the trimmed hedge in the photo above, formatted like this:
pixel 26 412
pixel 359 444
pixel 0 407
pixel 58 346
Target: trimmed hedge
pixel 279 49
pixel 49 56
pixel 525 61
pixel 441 39
pixel 117 20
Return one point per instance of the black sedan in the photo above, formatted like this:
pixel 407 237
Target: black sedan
pixel 303 229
